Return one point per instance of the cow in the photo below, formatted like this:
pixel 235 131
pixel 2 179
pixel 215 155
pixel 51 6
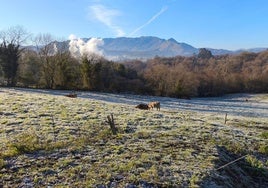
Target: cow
pixel 142 106
pixel 153 105
pixel 71 95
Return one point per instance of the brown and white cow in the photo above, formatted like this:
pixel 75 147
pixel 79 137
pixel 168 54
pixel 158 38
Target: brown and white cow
pixel 153 105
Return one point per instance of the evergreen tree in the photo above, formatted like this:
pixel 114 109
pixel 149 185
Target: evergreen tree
pixel 9 57
pixel 10 50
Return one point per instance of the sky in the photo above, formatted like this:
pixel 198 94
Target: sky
pixel 221 24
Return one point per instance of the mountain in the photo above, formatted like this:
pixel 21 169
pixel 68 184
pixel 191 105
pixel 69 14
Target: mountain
pixel 144 48
pixel 223 51
pixel 254 50
pixel 220 51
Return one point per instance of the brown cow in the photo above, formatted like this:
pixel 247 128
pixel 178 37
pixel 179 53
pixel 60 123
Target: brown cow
pixel 72 95
pixel 153 105
pixel 142 107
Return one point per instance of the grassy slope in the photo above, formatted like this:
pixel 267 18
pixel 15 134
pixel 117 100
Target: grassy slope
pixel 60 141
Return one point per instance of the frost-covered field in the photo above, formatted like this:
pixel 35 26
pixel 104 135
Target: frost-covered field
pixel 49 140
pixel 247 105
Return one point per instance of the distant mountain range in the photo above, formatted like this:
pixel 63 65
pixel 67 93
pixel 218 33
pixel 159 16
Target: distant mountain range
pixel 146 47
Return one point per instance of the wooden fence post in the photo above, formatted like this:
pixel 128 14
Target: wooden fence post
pixel 111 123
pixel 225 119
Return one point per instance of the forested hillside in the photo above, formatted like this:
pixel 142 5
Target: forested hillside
pixel 205 75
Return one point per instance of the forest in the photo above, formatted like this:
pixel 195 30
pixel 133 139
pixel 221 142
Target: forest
pixel 201 75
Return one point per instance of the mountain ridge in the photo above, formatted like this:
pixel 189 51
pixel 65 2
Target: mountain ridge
pixel 146 47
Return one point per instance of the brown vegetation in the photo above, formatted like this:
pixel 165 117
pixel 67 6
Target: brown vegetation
pixel 205 75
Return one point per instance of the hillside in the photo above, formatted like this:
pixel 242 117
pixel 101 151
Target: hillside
pixel 52 140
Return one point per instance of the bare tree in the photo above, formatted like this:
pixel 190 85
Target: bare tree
pixel 58 68
pixel 45 50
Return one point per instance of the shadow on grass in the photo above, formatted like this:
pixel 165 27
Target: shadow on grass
pixel 245 172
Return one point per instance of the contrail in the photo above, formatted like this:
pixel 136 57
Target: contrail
pixel 107 17
pixel 149 21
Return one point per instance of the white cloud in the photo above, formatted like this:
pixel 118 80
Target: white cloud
pixel 107 17
pixel 150 20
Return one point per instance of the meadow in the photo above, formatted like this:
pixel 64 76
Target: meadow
pixel 49 140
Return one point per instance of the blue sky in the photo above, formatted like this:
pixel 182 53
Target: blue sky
pixel 227 24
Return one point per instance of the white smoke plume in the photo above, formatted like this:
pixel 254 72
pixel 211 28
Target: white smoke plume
pixel 79 48
pixel 55 49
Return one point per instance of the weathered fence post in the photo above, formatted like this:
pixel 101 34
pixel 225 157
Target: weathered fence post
pixel 225 119
pixel 111 123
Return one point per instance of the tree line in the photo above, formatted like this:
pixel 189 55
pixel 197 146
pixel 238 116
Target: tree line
pixel 201 75
pixel 45 65
pixel 205 75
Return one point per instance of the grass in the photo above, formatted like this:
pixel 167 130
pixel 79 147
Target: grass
pixel 264 135
pixel 59 141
